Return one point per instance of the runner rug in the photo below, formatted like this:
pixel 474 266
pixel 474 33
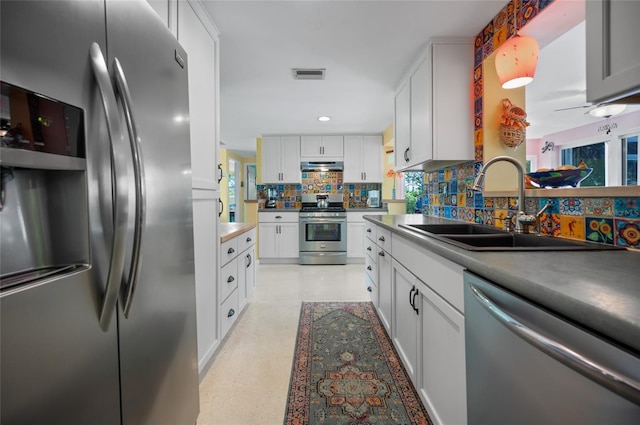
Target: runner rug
pixel 347 372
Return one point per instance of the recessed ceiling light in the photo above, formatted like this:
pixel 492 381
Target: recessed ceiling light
pixel 323 118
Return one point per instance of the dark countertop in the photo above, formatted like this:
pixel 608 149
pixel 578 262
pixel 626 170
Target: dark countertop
pixel 599 290
pixel 369 210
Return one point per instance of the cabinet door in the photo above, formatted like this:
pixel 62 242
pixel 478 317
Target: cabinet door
pixel 310 147
pixel 250 270
pixel 385 289
pixel 268 240
pixel 271 156
pixel 452 78
pixel 205 241
pixel 242 280
pixel 355 240
pixel 202 50
pixel 290 159
pixel 405 320
pixel 353 172
pixel 421 134
pixel 333 147
pixel 289 240
pixel 372 159
pixel 402 126
pixel 613 56
pixel 442 372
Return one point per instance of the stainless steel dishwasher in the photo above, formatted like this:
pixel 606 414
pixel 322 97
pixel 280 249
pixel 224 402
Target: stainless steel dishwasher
pixel 526 365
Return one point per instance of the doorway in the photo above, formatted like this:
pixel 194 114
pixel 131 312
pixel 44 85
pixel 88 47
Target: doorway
pixel 233 168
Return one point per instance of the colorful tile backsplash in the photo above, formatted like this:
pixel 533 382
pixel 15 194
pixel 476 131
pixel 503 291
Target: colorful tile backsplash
pixel 613 221
pixel 290 195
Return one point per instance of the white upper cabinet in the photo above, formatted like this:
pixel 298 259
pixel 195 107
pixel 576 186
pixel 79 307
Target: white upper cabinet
pixel 322 148
pixel 363 159
pixel 201 44
pixel 433 122
pixel 613 53
pixel 280 162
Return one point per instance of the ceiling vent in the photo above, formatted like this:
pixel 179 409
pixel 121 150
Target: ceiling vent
pixel 308 74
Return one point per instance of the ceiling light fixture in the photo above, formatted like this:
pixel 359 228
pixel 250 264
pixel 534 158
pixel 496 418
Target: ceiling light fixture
pixel 324 118
pixel 516 60
pixel 606 111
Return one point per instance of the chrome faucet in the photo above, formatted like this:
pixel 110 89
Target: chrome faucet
pixel 523 220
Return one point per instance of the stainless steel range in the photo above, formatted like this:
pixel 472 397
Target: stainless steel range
pixel 323 229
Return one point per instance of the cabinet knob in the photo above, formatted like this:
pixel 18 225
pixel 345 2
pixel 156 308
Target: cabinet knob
pixel 231 251
pixel 369 289
pixel 369 230
pixel 231 312
pixel 381 253
pixel 248 239
pixel 368 248
pixel 381 238
pixel 369 268
pixel 230 279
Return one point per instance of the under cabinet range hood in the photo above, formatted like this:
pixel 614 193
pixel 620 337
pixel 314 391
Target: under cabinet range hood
pixel 322 166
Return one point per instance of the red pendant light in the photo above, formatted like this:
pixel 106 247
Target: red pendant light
pixel 516 61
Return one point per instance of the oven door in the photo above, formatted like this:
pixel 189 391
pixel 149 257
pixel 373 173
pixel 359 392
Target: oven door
pixel 323 234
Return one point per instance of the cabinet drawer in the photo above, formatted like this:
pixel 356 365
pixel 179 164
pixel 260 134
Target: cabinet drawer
pixel 246 240
pixel 228 279
pixel 278 217
pixel 228 250
pixel 228 313
pixel 370 231
pixel 383 239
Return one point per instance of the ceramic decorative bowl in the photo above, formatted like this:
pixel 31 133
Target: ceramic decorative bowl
pixel 559 178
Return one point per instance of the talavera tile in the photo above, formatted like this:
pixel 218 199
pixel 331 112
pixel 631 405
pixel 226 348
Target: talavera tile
pixel 599 229
pixel 627 232
pixel 627 207
pixel 572 227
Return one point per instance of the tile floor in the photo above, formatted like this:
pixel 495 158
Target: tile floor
pixel 248 380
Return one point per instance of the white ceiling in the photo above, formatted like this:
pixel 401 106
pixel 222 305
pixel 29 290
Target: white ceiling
pixel 365 46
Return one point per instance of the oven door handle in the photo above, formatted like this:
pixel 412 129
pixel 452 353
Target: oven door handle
pixel 323 220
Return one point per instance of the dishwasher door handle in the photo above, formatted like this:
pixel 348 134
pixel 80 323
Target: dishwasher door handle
pixel 624 386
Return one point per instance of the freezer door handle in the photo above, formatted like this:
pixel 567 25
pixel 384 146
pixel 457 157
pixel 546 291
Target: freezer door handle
pixel 122 88
pixel 120 188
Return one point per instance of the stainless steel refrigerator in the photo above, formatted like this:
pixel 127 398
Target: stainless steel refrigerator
pixel 97 296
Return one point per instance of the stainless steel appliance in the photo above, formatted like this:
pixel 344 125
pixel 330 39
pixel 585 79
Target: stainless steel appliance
pixel 528 366
pixel 323 229
pixel 97 297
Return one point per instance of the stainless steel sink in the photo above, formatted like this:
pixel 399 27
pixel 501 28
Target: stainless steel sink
pixel 477 237
pixel 455 229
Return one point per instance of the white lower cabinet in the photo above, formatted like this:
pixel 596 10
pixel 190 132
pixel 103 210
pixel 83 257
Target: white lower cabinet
pixel 420 294
pixel 404 322
pixel 442 373
pixel 237 277
pixel 279 235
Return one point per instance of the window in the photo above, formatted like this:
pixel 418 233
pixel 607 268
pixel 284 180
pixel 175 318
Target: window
pixel 594 155
pixel 630 170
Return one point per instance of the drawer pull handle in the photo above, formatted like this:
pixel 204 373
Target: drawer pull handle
pixel 369 268
pixel 248 260
pixel 381 238
pixel 231 251
pixel 230 279
pixel 381 253
pixel 369 289
pixel 368 248
pixel 369 230
pixel 231 312
pixel 248 239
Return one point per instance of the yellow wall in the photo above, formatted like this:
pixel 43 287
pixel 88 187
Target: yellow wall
pixel 388 161
pixel 501 175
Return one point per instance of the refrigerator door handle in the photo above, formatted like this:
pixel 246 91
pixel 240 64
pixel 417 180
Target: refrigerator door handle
pixel 119 179
pixel 122 88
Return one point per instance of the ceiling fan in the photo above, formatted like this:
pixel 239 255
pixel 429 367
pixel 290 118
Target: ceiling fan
pixel 601 110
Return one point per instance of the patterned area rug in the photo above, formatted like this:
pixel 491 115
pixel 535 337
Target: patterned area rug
pixel 347 372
